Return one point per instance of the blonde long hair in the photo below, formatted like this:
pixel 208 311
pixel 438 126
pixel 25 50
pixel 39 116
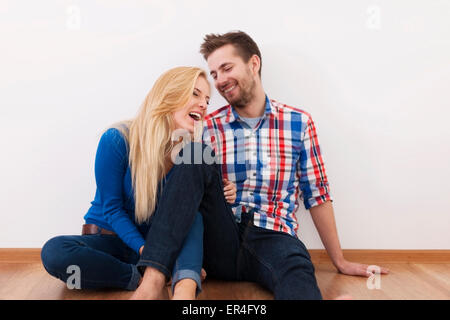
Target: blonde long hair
pixel 149 134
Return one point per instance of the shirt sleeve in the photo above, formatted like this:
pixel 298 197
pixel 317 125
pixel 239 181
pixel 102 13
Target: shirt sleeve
pixel 313 184
pixel 111 163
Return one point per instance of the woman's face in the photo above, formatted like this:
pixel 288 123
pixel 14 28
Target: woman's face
pixel 195 109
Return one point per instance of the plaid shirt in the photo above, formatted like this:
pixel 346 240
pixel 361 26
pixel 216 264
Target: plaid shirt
pixel 271 165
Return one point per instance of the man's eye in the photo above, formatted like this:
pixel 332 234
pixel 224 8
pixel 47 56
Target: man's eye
pixel 228 69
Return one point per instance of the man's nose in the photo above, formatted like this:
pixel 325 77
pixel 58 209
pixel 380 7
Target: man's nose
pixel 220 80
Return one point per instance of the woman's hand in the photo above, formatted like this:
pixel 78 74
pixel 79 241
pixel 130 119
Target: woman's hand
pixel 229 190
pixel 140 250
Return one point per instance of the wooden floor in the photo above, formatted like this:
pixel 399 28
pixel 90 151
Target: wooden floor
pixel 405 281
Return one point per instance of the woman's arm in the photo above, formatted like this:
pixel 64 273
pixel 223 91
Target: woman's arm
pixel 111 164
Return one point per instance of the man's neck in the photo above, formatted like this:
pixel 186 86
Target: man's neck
pixel 256 107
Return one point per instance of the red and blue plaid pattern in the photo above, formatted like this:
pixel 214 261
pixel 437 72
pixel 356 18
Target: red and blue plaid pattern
pixel 272 164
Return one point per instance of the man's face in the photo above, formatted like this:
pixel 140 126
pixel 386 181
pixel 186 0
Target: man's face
pixel 233 78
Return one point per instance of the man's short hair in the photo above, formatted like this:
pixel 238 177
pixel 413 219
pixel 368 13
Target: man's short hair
pixel 244 45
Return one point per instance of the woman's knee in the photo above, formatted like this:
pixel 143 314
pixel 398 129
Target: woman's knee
pixel 54 253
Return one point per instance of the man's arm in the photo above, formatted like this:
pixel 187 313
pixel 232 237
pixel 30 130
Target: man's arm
pixel 313 183
pixel 323 217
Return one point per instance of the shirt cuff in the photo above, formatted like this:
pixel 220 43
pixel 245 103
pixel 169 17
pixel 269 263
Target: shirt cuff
pixel 137 244
pixel 315 201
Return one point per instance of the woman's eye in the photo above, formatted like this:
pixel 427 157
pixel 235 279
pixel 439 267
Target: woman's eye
pixel 195 94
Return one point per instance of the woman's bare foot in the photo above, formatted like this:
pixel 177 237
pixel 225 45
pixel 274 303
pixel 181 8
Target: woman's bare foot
pixel 344 297
pixel 152 286
pixel 185 289
pixel 203 275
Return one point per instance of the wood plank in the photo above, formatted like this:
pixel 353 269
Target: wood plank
pixel 405 281
pixel 29 255
pixel 20 255
pixel 385 256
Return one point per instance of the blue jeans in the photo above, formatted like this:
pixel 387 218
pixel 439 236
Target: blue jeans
pixel 105 261
pixel 232 251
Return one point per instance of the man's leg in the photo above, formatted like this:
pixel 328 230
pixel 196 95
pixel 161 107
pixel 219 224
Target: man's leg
pixel 221 234
pixel 280 262
pixel 191 188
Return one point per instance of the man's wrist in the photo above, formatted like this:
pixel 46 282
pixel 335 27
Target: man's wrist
pixel 338 260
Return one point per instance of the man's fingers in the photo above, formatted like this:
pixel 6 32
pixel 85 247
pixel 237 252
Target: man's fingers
pixel 230 197
pixel 362 270
pixel 230 187
pixel 227 182
pixel 376 269
pixel 229 190
pixel 384 270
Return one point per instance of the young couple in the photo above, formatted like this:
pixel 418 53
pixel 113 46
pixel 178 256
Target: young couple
pixel 156 219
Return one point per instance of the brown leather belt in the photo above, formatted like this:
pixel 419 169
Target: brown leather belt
pixel 94 229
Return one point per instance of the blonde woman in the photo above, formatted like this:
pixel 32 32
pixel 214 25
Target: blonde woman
pixel 132 165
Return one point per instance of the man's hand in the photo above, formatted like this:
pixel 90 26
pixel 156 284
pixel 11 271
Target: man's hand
pixel 140 250
pixel 229 190
pixel 358 269
pixel 323 218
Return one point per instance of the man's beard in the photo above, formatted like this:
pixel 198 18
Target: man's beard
pixel 246 95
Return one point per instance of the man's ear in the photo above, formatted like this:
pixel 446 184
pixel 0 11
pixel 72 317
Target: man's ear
pixel 255 64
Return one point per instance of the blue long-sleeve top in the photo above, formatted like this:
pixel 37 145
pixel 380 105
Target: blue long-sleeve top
pixel 113 205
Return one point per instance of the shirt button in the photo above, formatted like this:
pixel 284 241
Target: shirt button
pixel 254 174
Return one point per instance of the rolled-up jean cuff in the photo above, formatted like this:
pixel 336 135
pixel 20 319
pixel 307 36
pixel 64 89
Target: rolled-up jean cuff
pixel 187 274
pixel 135 278
pixel 142 264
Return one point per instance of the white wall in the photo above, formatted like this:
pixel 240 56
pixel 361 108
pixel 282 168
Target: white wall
pixel 375 75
